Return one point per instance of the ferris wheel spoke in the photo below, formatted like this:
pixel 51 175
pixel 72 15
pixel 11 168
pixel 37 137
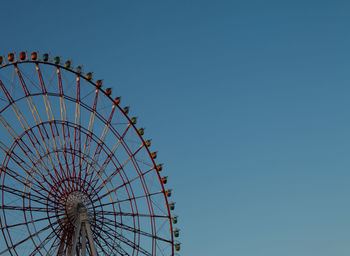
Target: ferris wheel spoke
pixel 31 236
pixel 29 79
pixel 35 114
pixel 77 130
pixel 87 145
pixel 56 150
pixel 138 231
pixel 98 238
pixel 27 208
pixel 110 156
pixel 24 147
pixel 36 161
pixel 6 92
pixel 127 241
pixel 114 246
pixel 51 119
pixel 96 177
pixel 127 199
pixel 53 246
pixel 112 223
pixel 158 207
pixel 25 195
pixel 52 76
pixel 40 162
pixel 54 133
pixel 38 186
pixel 113 174
pixel 45 242
pixel 107 180
pixel 64 119
pixel 114 237
pixel 9 128
pixel 101 142
pixel 65 123
pixel 159 249
pixel 33 186
pixel 27 222
pixel 126 214
pixel 161 226
pixel 58 174
pixel 22 194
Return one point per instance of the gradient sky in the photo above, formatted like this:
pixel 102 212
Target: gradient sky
pixel 246 101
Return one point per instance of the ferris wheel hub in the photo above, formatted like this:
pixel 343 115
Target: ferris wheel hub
pixel 77 207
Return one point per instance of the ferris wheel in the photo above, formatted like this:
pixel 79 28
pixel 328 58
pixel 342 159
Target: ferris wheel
pixel 77 177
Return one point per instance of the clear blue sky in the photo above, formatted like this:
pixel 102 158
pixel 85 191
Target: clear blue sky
pixel 248 103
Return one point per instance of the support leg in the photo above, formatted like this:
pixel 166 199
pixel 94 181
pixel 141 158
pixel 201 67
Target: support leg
pixel 75 238
pixel 83 241
pixel 91 241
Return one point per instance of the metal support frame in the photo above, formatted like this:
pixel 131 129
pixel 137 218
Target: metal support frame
pixel 91 241
pixel 82 231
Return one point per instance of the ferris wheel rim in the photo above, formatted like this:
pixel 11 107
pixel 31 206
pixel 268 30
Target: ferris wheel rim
pixel 80 75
